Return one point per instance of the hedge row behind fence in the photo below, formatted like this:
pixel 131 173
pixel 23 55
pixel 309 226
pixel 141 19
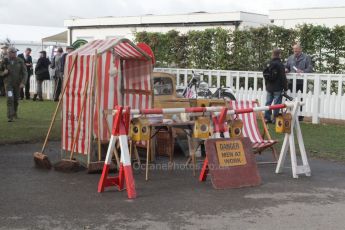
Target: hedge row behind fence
pixel 248 49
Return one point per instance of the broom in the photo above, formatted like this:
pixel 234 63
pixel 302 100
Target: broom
pixel 41 160
pixel 71 165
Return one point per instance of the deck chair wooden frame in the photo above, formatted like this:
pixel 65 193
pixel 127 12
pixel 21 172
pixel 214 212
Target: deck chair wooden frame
pixel 261 141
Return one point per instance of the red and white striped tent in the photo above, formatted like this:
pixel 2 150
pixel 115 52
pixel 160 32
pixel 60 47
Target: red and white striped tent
pixel 116 72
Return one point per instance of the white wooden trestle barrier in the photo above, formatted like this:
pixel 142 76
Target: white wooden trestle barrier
pixel 121 127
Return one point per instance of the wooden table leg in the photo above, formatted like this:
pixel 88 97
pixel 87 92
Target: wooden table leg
pixel 148 158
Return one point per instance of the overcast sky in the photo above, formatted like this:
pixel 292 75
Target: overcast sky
pixel 53 12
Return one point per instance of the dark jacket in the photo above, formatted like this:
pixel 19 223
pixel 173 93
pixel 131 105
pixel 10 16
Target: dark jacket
pixel 41 69
pixel 280 83
pixel 63 61
pixel 16 73
pixel 27 61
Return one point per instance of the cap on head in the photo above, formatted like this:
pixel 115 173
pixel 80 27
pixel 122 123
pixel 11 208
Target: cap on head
pixel 11 49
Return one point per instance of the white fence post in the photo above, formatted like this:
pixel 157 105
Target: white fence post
pixel 316 104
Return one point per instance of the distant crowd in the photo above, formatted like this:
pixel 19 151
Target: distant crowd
pixel 15 73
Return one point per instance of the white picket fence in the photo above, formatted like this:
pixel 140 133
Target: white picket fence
pixel 322 93
pixel 47 88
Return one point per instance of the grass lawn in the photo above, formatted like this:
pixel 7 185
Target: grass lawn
pixel 33 122
pixel 323 141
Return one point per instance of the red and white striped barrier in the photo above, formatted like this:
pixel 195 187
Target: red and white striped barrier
pixel 215 110
pixel 119 132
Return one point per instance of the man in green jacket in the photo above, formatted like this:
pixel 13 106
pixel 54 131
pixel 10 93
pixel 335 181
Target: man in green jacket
pixel 14 73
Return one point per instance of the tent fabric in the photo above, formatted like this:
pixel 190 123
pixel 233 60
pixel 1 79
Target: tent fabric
pixel 122 47
pixel 118 73
pixel 60 38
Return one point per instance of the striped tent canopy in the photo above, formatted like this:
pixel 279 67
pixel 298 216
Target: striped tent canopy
pixel 103 74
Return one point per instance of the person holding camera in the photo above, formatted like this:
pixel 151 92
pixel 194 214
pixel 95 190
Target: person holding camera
pixel 14 74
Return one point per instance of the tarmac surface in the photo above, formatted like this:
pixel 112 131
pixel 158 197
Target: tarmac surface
pixel 37 199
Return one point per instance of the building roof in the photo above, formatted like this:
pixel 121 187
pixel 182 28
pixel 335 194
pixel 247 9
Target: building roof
pixel 310 13
pixel 144 20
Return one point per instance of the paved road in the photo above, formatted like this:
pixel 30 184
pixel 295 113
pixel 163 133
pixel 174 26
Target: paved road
pixel 36 199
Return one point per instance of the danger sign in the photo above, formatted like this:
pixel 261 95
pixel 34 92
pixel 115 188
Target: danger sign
pixel 230 153
pixel 231 163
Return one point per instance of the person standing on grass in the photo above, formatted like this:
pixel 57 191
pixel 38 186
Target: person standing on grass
pixel 3 59
pixel 28 62
pixel 14 74
pixel 276 83
pixel 298 63
pixel 42 73
pixel 58 66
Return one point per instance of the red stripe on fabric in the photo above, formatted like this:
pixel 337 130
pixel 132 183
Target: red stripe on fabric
pixel 91 104
pixel 133 80
pixel 91 48
pixel 239 105
pixel 256 124
pixel 126 52
pixel 120 52
pixel 68 106
pixel 127 76
pixel 86 47
pixel 98 93
pixel 73 96
pixel 251 124
pixel 65 104
pixel 86 112
pixel 80 98
pixel 106 93
pixel 130 50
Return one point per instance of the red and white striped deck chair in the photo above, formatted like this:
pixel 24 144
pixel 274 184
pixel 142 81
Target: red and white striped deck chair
pixel 251 129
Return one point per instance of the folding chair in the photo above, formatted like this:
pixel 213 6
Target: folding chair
pixel 251 129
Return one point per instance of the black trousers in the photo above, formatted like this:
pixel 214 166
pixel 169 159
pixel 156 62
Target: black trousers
pixel 27 89
pixel 2 87
pixel 58 84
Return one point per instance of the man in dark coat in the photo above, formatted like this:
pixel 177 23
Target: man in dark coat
pixel 28 63
pixel 14 75
pixel 276 83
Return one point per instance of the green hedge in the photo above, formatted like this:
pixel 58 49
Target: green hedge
pixel 247 49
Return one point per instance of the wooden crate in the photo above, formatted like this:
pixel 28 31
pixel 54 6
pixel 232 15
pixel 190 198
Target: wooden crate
pixel 165 142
